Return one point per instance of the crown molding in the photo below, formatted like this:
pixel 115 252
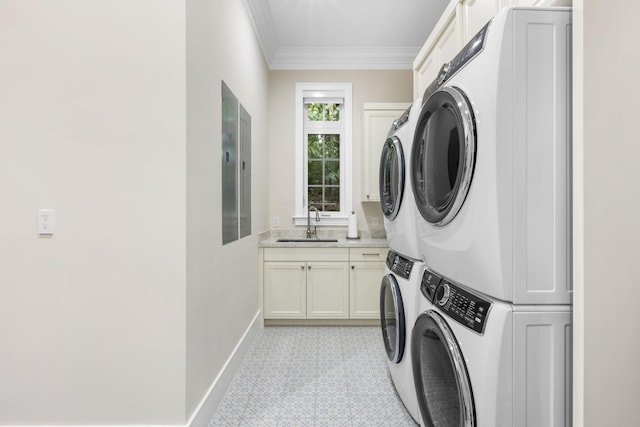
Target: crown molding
pixel 262 22
pixel 343 58
pixel 321 58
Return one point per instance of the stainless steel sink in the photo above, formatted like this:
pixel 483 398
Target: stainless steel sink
pixel 307 240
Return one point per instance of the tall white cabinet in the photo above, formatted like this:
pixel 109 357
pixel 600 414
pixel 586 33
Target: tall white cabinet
pixel 377 119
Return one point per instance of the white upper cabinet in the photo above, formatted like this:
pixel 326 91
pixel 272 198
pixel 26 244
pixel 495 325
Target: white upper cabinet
pixel 443 44
pixel 459 22
pixel 476 13
pixel 377 119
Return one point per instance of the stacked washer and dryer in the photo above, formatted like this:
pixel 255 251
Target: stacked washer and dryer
pixel 490 168
pixel 403 273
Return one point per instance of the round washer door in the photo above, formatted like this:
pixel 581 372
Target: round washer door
pixel 392 175
pixel 440 374
pixel 443 155
pixel 392 318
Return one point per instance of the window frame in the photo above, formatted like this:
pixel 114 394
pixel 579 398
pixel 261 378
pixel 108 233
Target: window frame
pixel 302 129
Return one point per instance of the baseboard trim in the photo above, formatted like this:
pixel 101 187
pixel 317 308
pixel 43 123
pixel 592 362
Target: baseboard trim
pixel 209 403
pixel 321 322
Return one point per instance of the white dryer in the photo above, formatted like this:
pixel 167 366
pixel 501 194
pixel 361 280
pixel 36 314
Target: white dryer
pixel 478 361
pixel 397 316
pixel 396 197
pixel 491 160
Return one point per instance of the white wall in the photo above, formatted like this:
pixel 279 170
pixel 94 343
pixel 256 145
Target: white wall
pixel 368 86
pixel 222 281
pixel 611 227
pixel 92 124
pixel 110 114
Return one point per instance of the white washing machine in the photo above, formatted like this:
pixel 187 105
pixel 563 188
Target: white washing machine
pixel 396 197
pixel 491 160
pixel 397 316
pixel 478 361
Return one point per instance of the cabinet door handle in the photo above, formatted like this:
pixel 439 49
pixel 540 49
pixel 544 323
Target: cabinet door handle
pixel 376 254
pixel 353 267
pixel 309 267
pixel 302 267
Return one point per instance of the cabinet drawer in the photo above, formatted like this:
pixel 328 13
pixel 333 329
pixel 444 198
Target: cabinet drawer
pixel 368 254
pixel 306 254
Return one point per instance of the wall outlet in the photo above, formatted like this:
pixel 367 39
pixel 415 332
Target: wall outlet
pixel 276 221
pixel 374 221
pixel 45 221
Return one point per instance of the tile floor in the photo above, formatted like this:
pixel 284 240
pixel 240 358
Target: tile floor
pixel 313 376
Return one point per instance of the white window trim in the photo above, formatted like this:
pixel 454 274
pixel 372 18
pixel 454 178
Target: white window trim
pixel 344 90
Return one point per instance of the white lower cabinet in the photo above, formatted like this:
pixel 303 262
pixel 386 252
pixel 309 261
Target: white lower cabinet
pixel 327 290
pixel 322 283
pixel 364 283
pixel 285 290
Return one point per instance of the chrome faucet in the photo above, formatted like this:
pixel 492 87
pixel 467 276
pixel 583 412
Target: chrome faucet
pixel 315 231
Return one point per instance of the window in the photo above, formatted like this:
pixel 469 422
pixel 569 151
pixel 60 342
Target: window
pixel 323 152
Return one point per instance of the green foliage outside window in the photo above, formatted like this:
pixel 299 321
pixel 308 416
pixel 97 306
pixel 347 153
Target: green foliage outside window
pixel 323 112
pixel 323 171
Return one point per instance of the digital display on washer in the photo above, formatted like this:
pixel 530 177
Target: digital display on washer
pixel 474 47
pixel 462 306
pixel 399 264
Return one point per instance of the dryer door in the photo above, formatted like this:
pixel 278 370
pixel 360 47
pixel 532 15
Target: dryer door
pixel 440 374
pixel 443 155
pixel 392 318
pixel 392 173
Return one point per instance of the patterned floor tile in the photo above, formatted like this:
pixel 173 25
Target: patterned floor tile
pixel 313 376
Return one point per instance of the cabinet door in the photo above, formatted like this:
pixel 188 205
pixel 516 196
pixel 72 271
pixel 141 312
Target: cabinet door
pixel 476 14
pixel 377 119
pixel 327 290
pixel 444 42
pixel 365 279
pixel 285 295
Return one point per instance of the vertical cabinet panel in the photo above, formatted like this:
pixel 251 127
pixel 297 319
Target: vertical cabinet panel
pixel 543 368
pixel 327 290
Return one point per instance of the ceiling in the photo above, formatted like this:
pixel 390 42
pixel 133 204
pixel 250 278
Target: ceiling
pixel 343 34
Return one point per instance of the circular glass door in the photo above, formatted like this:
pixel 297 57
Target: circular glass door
pixel 392 175
pixel 443 155
pixel 392 318
pixel 440 374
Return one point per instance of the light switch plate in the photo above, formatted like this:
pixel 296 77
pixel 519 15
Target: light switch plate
pixel 45 221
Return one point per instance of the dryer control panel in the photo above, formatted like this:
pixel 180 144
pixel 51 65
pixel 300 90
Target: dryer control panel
pixel 461 305
pixel 399 264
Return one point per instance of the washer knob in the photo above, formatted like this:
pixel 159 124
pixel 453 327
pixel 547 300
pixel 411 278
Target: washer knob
pixel 442 294
pixel 442 74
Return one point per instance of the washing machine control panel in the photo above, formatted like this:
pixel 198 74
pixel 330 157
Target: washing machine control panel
pixel 462 306
pixel 399 264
